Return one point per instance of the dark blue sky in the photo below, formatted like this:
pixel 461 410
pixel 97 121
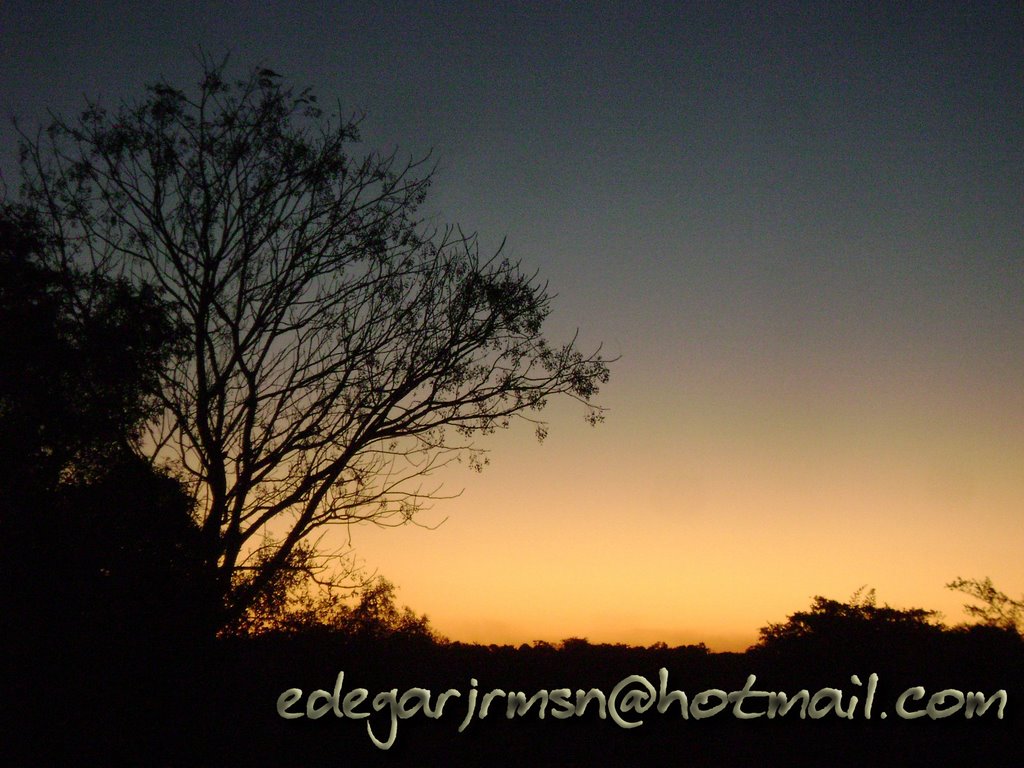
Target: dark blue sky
pixel 800 224
pixel 725 142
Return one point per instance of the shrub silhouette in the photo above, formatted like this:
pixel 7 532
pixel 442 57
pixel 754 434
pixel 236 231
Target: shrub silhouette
pixel 102 588
pixel 997 609
pixel 833 633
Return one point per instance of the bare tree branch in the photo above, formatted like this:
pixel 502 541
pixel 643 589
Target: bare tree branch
pixel 338 351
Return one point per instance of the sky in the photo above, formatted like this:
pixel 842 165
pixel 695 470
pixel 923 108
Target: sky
pixel 799 226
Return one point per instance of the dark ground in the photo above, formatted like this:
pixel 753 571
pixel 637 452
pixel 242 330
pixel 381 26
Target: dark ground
pixel 218 707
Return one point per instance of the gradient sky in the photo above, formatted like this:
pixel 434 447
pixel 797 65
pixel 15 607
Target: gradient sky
pixel 800 225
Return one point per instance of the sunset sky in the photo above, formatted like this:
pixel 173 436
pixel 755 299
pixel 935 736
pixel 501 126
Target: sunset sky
pixel 799 225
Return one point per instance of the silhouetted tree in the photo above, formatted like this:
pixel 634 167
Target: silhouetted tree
pixel 295 600
pixel 997 610
pixel 377 615
pixel 80 366
pixel 844 629
pixel 293 607
pixel 338 350
pixel 78 376
pixel 103 584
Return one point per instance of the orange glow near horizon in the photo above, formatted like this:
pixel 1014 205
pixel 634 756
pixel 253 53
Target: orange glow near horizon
pixel 705 523
pixel 802 231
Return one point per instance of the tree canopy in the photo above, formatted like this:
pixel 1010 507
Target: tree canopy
pixel 859 623
pixel 336 350
pixel 102 589
pixel 997 609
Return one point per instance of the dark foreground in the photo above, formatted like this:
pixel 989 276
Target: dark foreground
pixel 219 706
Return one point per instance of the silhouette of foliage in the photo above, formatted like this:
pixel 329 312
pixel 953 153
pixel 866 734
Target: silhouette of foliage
pixel 77 378
pixel 376 615
pixel 859 623
pixel 81 361
pixel 103 581
pixel 997 610
pixel 293 607
pixel 909 650
pixel 296 600
pixel 337 350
